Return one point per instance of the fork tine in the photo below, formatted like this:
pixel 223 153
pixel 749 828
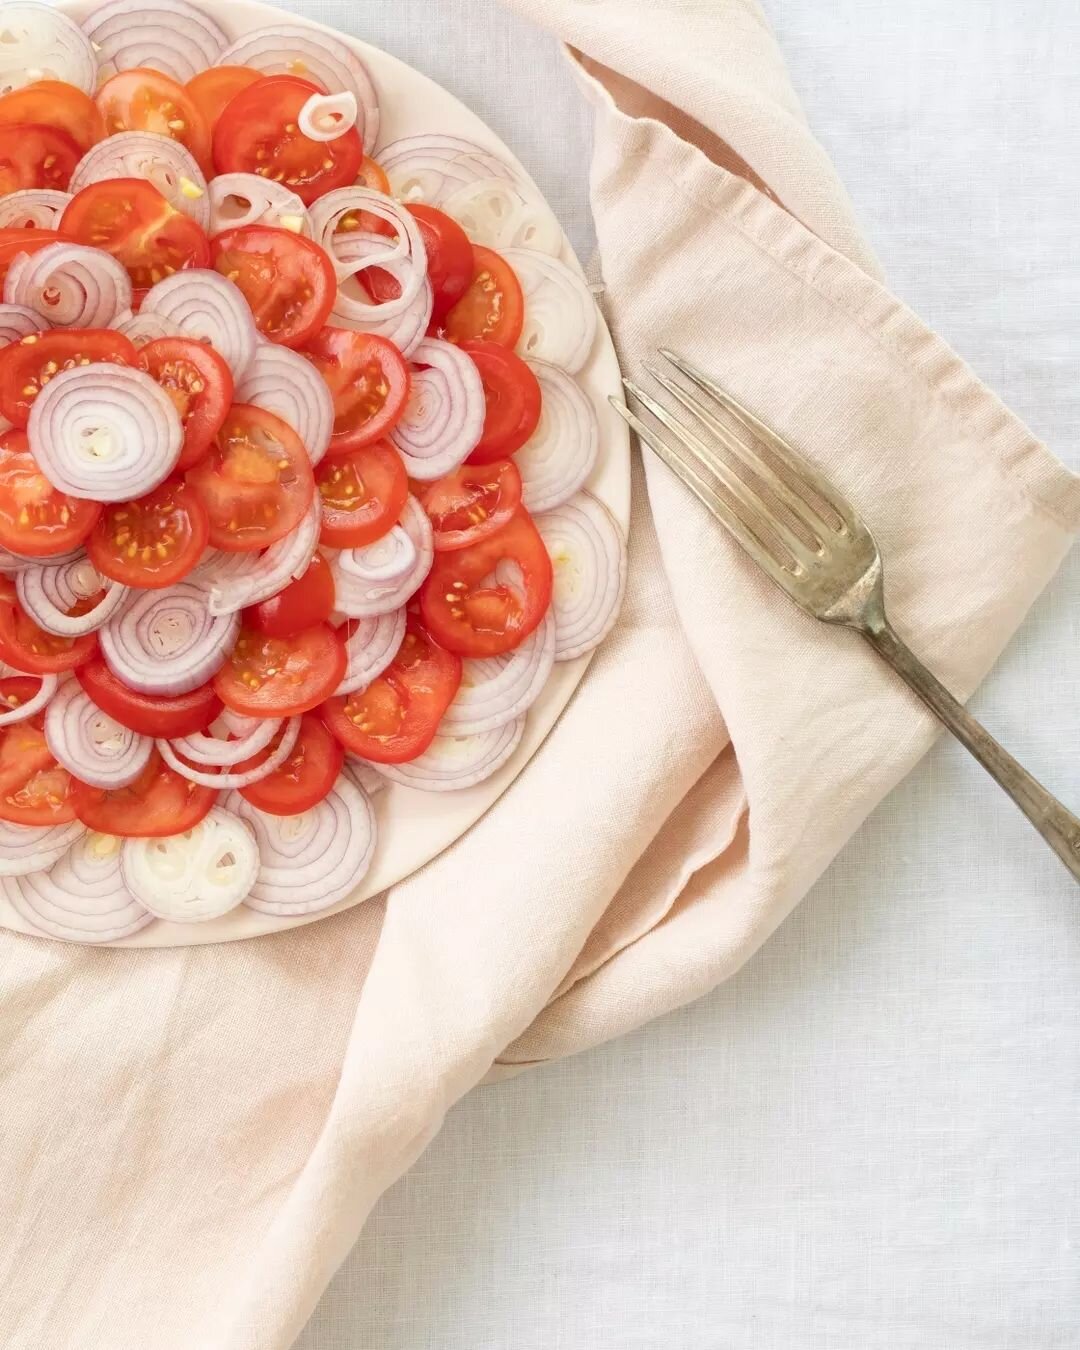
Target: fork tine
pixel 798 464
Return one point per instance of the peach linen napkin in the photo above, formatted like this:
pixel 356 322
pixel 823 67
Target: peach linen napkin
pixel 192 1139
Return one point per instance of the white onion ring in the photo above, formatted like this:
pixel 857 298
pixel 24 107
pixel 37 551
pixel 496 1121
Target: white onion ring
pixel 206 306
pixel 213 751
pixel 285 383
pixel 167 35
pixel 104 431
pixel 33 848
pixel 38 42
pixel 451 763
pixel 444 417
pixel 17 322
pixel 360 599
pixel 495 690
pixel 39 208
pixel 82 898
pixel 167 641
pixel 370 647
pixel 588 557
pixel 313 860
pixel 69 285
pixel 292 49
pixel 560 310
pixel 46 690
pixel 90 744
pixel 48 593
pixel 325 117
pixel 246 199
pixel 429 168
pixel 557 459
pixel 233 581
pixel 497 213
pixel 198 875
pixel 224 779
pixel 163 162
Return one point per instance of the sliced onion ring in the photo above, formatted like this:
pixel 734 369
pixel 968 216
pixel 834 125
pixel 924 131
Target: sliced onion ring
pixel 18 321
pixel 207 306
pixel 167 642
pixel 498 214
pixel 451 763
pixel 255 734
pixel 429 168
pixel 560 310
pixel 498 689
pixel 246 199
pixel 198 875
pixel 325 117
pixel 224 779
pixel 32 848
pixel 444 417
pixel 367 248
pixel 361 599
pixel 38 42
pixel 33 705
pixel 285 383
pixel 90 744
pixel 143 328
pixel 167 35
pixel 387 561
pixel 39 208
pixel 69 285
pixel 588 555
pixel 165 163
pixel 232 581
pixel 49 593
pixel 370 647
pixel 557 459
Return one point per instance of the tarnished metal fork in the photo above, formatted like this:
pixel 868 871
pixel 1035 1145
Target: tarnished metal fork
pixel 810 541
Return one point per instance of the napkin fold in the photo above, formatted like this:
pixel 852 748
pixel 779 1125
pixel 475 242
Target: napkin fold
pixel 192 1138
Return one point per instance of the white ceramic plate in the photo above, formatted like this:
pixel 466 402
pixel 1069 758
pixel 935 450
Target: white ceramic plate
pixel 415 826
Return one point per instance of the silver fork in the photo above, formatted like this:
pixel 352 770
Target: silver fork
pixel 811 542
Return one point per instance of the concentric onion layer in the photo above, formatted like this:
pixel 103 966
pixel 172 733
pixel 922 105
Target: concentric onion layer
pixel 498 689
pixel 588 557
pixel 90 744
pixel 31 848
pixel 50 593
pixel 370 647
pixel 451 763
pixel 360 597
pixel 284 383
pixel 167 35
pixel 70 285
pixel 444 418
pixel 192 877
pixel 160 160
pixel 207 306
pixel 167 642
pixel 557 459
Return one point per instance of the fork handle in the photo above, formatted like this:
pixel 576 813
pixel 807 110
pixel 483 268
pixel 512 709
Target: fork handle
pixel 1058 826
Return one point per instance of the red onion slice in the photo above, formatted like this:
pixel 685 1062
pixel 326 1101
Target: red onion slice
pixel 325 117
pixel 165 163
pixel 285 383
pixel 167 35
pixel 38 42
pixel 224 779
pixel 104 431
pixel 232 581
pixel 558 458
pixel 192 877
pixel 496 213
pixel 588 555
pixel 46 690
pixel 17 321
pixel 444 417
pixel 82 898
pixel 313 860
pixel 451 763
pixel 167 642
pixel 370 647
pixel 360 598
pixel 290 49
pixel 33 848
pixel 335 225
pixel 69 285
pixel 246 199
pixel 389 559
pixel 206 306
pixel 48 593
pixel 406 330
pixel 38 208
pixel 560 310
pixel 143 328
pixel 90 744
pixel 255 734
pixel 430 168
pixel 499 689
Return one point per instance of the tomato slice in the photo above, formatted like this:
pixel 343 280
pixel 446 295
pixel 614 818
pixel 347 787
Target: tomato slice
pixel 58 105
pixel 449 261
pixel 369 379
pixel 147 100
pixel 492 309
pixel 396 717
pixel 513 399
pixel 256 483
pixel 200 384
pixel 35 155
pixel 280 677
pixel 307 600
pixel 470 503
pixel 214 89
pixel 149 714
pixel 43 796
pixel 467 616
pixel 31 649
pixel 153 541
pixel 304 779
pixel 29 364
pixel 363 494
pixel 159 802
pixel 288 282
pixel 36 520
pixel 34 789
pixel 129 218
pixel 260 136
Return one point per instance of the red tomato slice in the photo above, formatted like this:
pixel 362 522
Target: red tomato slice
pixel 147 100
pixel 471 618
pixel 306 776
pixel 256 483
pixel 395 718
pixel 214 89
pixel 130 219
pixel 307 600
pixel 55 104
pixel 513 399
pixel 34 789
pixel 471 502
pixel 449 260
pixel 29 364
pixel 36 156
pixel 42 797
pixel 369 379
pixel 260 136
pixel 29 648
pixel 35 519
pixel 280 677
pixel 153 541
pixel 493 307
pixel 363 494
pixel 288 282
pixel 159 802
pixel 149 714
pixel 200 384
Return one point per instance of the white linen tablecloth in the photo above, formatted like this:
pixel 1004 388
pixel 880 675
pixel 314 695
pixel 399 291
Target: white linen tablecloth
pixel 866 1140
